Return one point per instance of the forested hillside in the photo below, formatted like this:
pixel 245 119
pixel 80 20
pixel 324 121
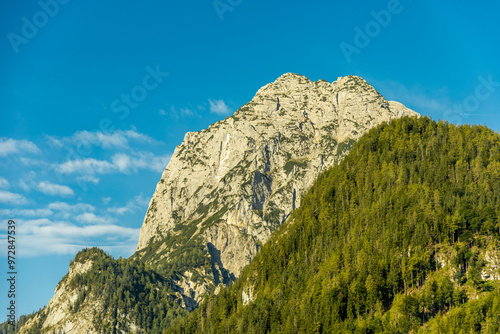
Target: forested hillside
pixel 118 296
pixel 402 236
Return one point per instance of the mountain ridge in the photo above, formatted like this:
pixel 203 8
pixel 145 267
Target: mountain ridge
pixel 235 182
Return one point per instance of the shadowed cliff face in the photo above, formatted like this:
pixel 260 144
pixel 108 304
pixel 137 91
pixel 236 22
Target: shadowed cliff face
pixel 227 188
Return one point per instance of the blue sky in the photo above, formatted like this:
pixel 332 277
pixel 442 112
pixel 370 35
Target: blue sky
pixel 95 96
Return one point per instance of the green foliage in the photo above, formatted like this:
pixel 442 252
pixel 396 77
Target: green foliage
pixel 359 255
pixel 289 166
pixel 344 147
pixel 130 293
pixel 477 316
pixel 36 317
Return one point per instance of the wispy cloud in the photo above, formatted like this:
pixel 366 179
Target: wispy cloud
pixel 25 213
pixel 54 189
pixel 66 226
pixel 28 181
pixel 79 207
pixel 219 107
pixel 7 197
pixel 416 98
pixel 128 163
pixel 140 202
pixel 88 178
pixel 120 163
pixel 91 218
pixel 63 210
pixel 86 166
pixel 30 162
pixel 118 139
pixel 10 146
pixel 177 113
pixel 44 237
pixel 4 184
pixel 214 105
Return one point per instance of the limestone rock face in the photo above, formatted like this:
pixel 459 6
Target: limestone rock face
pixel 228 187
pixel 59 316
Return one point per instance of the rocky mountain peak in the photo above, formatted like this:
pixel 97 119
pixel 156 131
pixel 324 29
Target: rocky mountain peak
pixel 228 187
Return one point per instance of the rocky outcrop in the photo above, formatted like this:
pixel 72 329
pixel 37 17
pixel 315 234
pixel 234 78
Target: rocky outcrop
pixel 58 315
pixel 491 261
pixel 228 187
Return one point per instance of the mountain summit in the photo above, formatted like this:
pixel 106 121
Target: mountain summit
pixel 227 188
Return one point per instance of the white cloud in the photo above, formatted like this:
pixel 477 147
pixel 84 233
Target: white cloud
pixel 25 186
pixel 79 207
pixel 187 112
pixel 106 141
pixel 86 166
pixel 12 146
pixel 120 162
pixel 54 189
pixel 90 218
pixel 4 184
pixel 7 197
pixel 119 210
pixel 139 202
pixel 133 134
pixel 416 98
pixel 66 211
pixel 126 164
pixel 88 178
pixel 219 107
pixel 27 182
pixel 32 162
pixel 106 200
pixel 181 112
pixel 44 237
pixel 26 213
pixel 118 139
pixel 54 142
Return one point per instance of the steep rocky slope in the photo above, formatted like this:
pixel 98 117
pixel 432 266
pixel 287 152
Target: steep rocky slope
pixel 227 188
